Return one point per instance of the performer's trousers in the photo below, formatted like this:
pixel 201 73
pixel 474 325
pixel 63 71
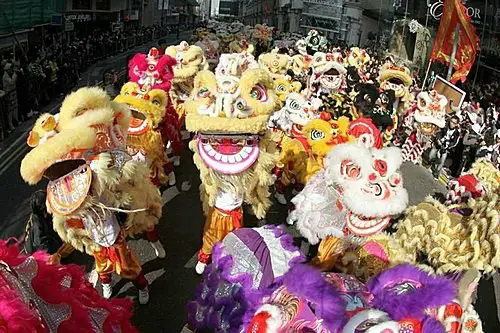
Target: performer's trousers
pixel 119 259
pixel 328 252
pixel 152 235
pixel 218 224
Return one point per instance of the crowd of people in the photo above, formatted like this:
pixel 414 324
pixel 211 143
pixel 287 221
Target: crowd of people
pixel 323 128
pixel 33 77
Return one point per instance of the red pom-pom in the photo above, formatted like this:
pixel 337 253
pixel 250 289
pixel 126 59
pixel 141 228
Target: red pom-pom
pixel 259 323
pixel 325 116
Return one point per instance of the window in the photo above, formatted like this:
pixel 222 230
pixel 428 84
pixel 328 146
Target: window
pixel 82 4
pixel 103 4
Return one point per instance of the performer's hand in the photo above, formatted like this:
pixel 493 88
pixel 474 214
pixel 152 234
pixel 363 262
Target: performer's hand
pixel 55 259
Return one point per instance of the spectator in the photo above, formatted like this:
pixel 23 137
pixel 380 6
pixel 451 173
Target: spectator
pixel 9 86
pixel 444 143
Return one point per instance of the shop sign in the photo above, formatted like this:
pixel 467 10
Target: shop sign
pixel 436 10
pixel 79 17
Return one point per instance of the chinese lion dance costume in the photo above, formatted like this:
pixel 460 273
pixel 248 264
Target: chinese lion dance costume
pixel 190 60
pixel 91 177
pixel 354 196
pixel 400 299
pixel 313 42
pixel 423 121
pixel 210 45
pixel 144 142
pixel 275 64
pixel 229 111
pixel 245 264
pixel 461 234
pixel 398 79
pixel 278 294
pixel 155 71
pixel 328 75
pixel 36 296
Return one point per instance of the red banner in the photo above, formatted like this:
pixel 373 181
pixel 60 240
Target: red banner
pixel 455 13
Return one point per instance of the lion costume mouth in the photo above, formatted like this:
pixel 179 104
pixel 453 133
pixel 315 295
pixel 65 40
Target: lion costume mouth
pixel 366 226
pixel 228 154
pixel 138 123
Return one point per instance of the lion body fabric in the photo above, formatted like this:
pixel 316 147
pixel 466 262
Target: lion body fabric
pixel 91 130
pixel 454 238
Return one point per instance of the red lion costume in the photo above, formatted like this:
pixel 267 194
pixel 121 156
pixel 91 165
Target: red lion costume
pixel 39 297
pixel 155 71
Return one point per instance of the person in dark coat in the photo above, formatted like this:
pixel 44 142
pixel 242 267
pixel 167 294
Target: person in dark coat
pixel 40 234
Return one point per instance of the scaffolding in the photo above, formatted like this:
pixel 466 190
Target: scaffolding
pixel 18 15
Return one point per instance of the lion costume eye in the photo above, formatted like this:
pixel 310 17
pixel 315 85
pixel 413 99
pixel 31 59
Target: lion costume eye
pixel 281 88
pixel 317 135
pixel 350 170
pixel 294 105
pixel 240 106
pixel 203 93
pixel 151 67
pixel 395 179
pixel 156 102
pixel 381 167
pixel 259 93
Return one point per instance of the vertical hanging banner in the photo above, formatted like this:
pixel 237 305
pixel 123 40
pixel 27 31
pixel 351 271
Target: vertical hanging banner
pixel 455 14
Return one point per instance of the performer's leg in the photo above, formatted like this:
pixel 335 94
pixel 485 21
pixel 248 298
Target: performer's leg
pixel 217 226
pixel 107 290
pixel 128 267
pixel 152 237
pixel 280 185
pixel 104 267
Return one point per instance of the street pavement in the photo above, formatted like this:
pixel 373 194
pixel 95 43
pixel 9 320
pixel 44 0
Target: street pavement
pixel 173 280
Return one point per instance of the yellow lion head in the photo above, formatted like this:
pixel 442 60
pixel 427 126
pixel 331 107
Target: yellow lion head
pixel 230 110
pixel 274 63
pixel 147 107
pixel 284 86
pixel 233 101
pixel 190 60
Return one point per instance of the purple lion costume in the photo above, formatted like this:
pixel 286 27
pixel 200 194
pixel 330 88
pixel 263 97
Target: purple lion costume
pixel 245 267
pixel 258 283
pixel 402 299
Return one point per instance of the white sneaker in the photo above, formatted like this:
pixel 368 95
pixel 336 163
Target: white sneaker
pixel 93 278
pixel 281 198
pixel 107 290
pixel 186 329
pixel 200 267
pixel 171 179
pixel 144 296
pixel 176 160
pixel 159 250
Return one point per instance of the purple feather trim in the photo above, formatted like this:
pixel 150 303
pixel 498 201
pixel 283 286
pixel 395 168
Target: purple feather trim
pixel 308 283
pixel 434 292
pixel 208 310
pixel 432 325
